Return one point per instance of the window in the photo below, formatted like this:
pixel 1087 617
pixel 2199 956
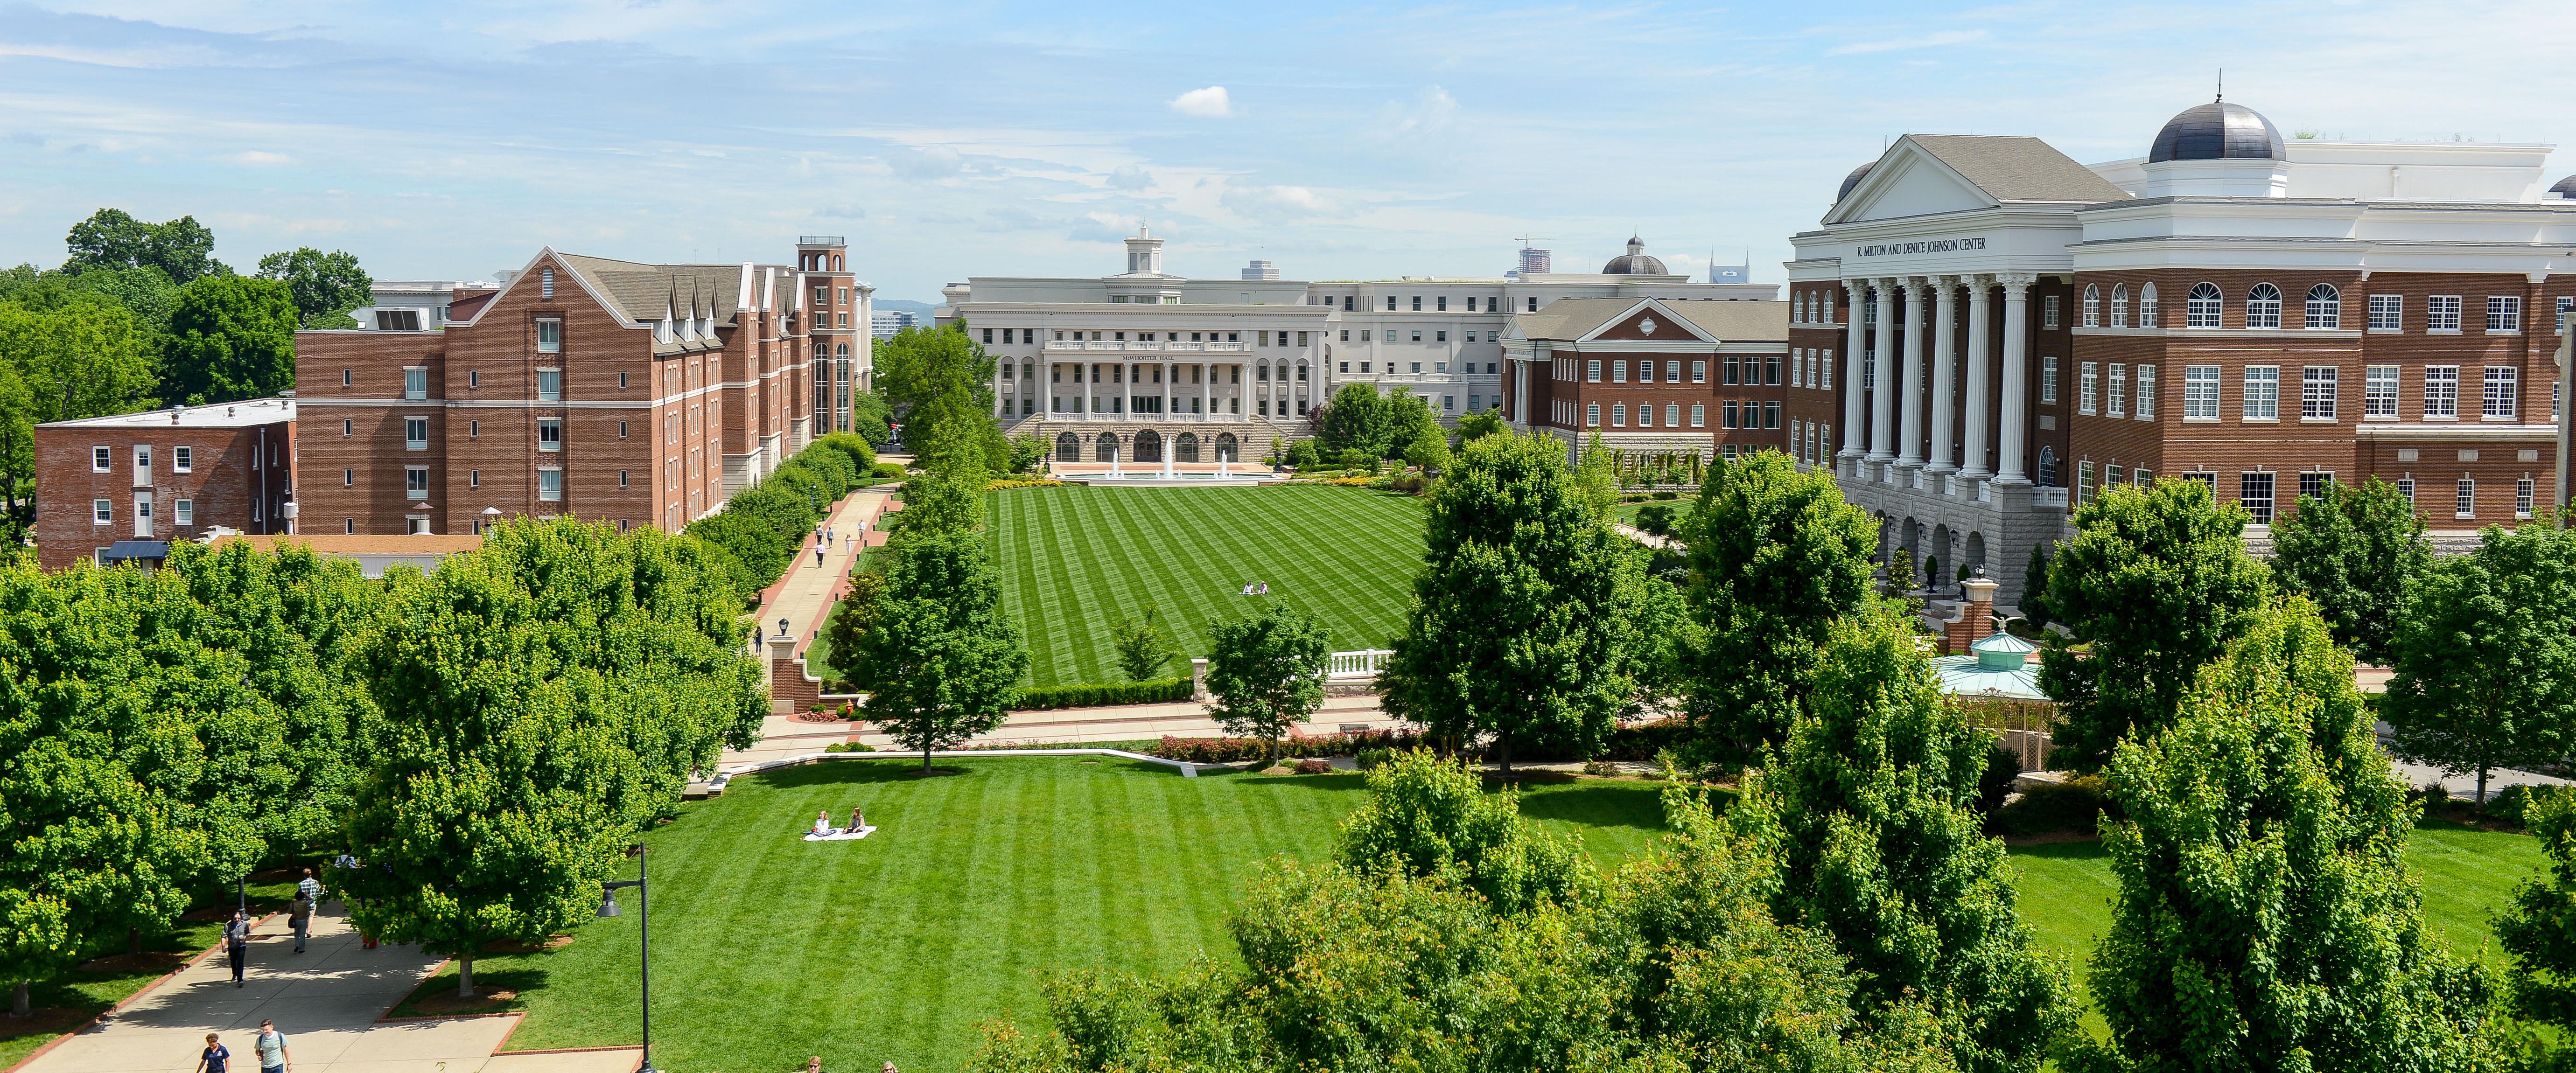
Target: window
pixel 1672 415
pixel 473 429
pixel 2146 392
pixel 102 512
pixel 2442 313
pixel 2254 493
pixel 2387 312
pixel 2092 306
pixel 550 336
pixel 1618 415
pixel 621 430
pixel 2047 466
pixel 2406 487
pixel 415 382
pixel 2521 500
pixel 1417 368
pixel 1533 303
pixel 1592 415
pixel 550 485
pixel 2048 312
pixel 2313 483
pixel 1825 370
pixel 1771 370
pixel 988 335
pixel 2200 393
pixel 549 385
pixel 2119 396
pixel 1733 373
pixel 550 434
pixel 2504 314
pixel 1618 372
pixel 2442 391
pixel 187 511
pixel 415 433
pixel 474 478
pixel 2083 482
pixel 1447 402
pixel 1726 414
pixel 1592 370
pixel 2201 309
pixel 182 459
pixel 2317 384
pixel 2325 307
pixel 1699 415
pixel 2465 498
pixel 2048 380
pixel 2147 306
pixel 344 378
pixel 1770 415
pixel 2088 387
pixel 2119 305
pixel 350 525
pixel 101 460
pixel 1869 311
pixel 1699 372
pixel 2263 306
pixel 2504 390
pixel 546 284
pixel 621 381
pixel 348 477
pixel 415 482
pixel 2262 392
pixel 2379 391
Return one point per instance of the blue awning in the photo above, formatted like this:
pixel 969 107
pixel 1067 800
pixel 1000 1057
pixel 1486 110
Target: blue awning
pixel 130 550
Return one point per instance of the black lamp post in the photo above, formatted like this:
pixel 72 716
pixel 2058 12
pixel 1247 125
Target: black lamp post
pixel 644 928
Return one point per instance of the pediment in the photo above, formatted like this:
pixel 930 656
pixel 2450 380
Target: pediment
pixel 1649 321
pixel 1909 182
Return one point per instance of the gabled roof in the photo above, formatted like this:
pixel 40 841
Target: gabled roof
pixel 1731 322
pixel 638 292
pixel 2018 168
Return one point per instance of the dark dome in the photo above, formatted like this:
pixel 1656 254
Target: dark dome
pixel 2217 131
pixel 1634 262
pixel 2566 187
pixel 1852 180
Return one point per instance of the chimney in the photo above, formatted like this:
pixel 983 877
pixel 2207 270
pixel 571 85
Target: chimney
pixel 1981 607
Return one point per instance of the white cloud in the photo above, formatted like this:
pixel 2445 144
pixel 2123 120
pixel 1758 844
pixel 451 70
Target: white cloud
pixel 927 162
pixel 1429 112
pixel 1130 177
pixel 1103 227
pixel 1945 37
pixel 256 158
pixel 1277 202
pixel 1209 103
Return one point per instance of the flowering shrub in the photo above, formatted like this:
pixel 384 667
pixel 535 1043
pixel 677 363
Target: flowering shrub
pixel 1238 750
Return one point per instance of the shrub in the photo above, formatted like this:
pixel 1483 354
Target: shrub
pixel 1600 767
pixel 2510 804
pixel 1371 758
pixel 1411 483
pixel 2002 767
pixel 2436 796
pixel 1159 691
pixel 1657 520
pixel 1237 750
pixel 1314 767
pixel 2073 805
pixel 1301 454
pixel 849 747
pixel 888 471
pixel 1668 494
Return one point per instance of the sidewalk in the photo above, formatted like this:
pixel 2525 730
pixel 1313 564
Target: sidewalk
pixel 785 736
pixel 326 1000
pixel 805 593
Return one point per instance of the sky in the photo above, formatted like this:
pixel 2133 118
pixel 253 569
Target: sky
pixel 453 140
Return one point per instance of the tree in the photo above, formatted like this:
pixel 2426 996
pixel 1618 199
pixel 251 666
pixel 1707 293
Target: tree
pixel 1776 559
pixel 230 339
pixel 1528 618
pixel 182 249
pixel 1143 651
pixel 1430 452
pixel 1479 425
pixel 1431 818
pixel 2353 551
pixel 2034 585
pixel 936 376
pixel 941 661
pixel 2486 656
pixel 1869 811
pixel 2266 919
pixel 84 358
pixel 2153 587
pixel 1266 671
pixel 1355 420
pixel 323 286
pixel 2539 930
pixel 1408 419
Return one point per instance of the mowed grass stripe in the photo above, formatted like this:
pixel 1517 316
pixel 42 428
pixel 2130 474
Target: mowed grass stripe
pixel 1073 559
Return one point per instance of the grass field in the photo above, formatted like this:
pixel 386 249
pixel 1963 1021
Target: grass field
pixel 767 948
pixel 1074 558
pixel 64 1003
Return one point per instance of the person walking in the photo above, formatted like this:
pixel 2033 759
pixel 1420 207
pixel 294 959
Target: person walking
pixel 299 915
pixel 311 888
pixel 237 943
pixel 271 1046
pixel 214 1058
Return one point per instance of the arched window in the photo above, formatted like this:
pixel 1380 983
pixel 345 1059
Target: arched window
pixel 1068 448
pixel 2201 309
pixel 2147 311
pixel 2047 466
pixel 2092 305
pixel 1185 447
pixel 2263 306
pixel 1225 447
pixel 1149 446
pixel 2325 307
pixel 2119 305
pixel 1107 450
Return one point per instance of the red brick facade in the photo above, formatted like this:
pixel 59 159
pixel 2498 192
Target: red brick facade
pixel 168 475
pixel 1672 389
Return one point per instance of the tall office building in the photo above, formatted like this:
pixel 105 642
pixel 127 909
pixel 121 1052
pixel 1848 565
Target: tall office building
pixel 1261 270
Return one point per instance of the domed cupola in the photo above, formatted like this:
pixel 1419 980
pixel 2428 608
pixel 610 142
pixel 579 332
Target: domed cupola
pixel 1852 180
pixel 2566 188
pixel 2217 131
pixel 1634 262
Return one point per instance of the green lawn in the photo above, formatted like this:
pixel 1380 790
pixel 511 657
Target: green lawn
pixel 1074 558
pixel 67 1001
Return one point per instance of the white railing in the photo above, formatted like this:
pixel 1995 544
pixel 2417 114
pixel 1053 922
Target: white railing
pixel 1116 346
pixel 1354 665
pixel 2048 497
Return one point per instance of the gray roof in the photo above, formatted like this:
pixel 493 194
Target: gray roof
pixel 2018 168
pixel 640 292
pixel 2217 131
pixel 1731 322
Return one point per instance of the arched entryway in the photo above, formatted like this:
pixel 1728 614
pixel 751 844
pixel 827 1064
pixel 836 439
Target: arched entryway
pixel 1938 564
pixel 1068 448
pixel 1225 447
pixel 1149 446
pixel 1107 449
pixel 1185 447
pixel 1974 558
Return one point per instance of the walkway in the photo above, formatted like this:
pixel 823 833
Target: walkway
pixel 805 593
pixel 326 1000
pixel 784 736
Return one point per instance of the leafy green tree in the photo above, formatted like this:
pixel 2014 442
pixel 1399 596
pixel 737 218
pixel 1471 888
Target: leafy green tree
pixel 231 338
pixel 1525 621
pixel 1870 810
pixel 86 358
pixel 852 618
pixel 323 286
pixel 2266 919
pixel 182 249
pixel 1357 419
pixel 2154 586
pixel 1408 419
pixel 1143 650
pixel 2539 930
pixel 871 418
pixel 2353 551
pixel 1776 559
pixel 2485 653
pixel 936 376
pixel 1431 818
pixel 942 660
pixel 17 457
pixel 1430 452
pixel 1266 671
pixel 2034 585
pixel 1479 425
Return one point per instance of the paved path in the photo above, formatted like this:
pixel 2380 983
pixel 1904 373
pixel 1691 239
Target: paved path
pixel 784 736
pixel 326 1000
pixel 807 590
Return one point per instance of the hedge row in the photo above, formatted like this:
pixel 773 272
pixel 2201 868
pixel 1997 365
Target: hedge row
pixel 1237 750
pixel 1162 691
pixel 762 527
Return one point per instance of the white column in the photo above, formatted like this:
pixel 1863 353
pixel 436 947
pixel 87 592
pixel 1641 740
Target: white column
pixel 1978 414
pixel 2016 408
pixel 1001 403
pixel 1207 392
pixel 1167 400
pixel 1882 397
pixel 1090 372
pixel 1855 401
pixel 1945 359
pixel 1909 447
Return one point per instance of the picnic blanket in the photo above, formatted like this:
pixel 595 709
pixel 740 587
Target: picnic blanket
pixel 841 834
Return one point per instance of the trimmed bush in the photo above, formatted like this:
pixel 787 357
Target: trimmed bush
pixel 849 747
pixel 763 527
pixel 2002 767
pixel 1371 758
pixel 2074 805
pixel 888 471
pixel 1159 691
pixel 1314 767
pixel 2508 805
pixel 1384 743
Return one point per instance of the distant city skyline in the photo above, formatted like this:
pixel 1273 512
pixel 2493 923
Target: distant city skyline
pixel 1334 141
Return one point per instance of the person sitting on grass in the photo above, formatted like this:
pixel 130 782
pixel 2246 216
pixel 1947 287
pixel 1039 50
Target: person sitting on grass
pixel 823 824
pixel 858 822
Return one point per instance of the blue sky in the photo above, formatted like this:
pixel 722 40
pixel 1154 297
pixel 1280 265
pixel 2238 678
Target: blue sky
pixel 451 140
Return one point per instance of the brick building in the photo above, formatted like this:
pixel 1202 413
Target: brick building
pixel 1652 377
pixel 2014 331
pixel 612 391
pixel 145 479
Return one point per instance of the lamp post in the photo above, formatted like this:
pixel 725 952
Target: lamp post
pixel 644 929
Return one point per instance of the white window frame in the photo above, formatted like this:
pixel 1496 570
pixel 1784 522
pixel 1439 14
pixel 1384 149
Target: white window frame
pixel 2442 313
pixel 2092 305
pixel 2202 392
pixel 2464 498
pixel 2324 311
pixel 2148 311
pixel 2318 386
pixel 2088 386
pixel 2119 305
pixel 2116 399
pixel 550 484
pixel 416 482
pixel 2504 314
pixel 1699 415
pixel 2441 393
pixel 1618 415
pixel 102 512
pixel 2263 306
pixel 183 459
pixel 183 512
pixel 549 335
pixel 421 444
pixel 2262 388
pixel 2205 306
pixel 2146 393
pixel 546 425
pixel 2380 392
pixel 2048 381
pixel 2522 497
pixel 2387 313
pixel 2501 394
pixel 550 384
pixel 102 459
pixel 415 382
pixel 1592 415
pixel 1592 370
